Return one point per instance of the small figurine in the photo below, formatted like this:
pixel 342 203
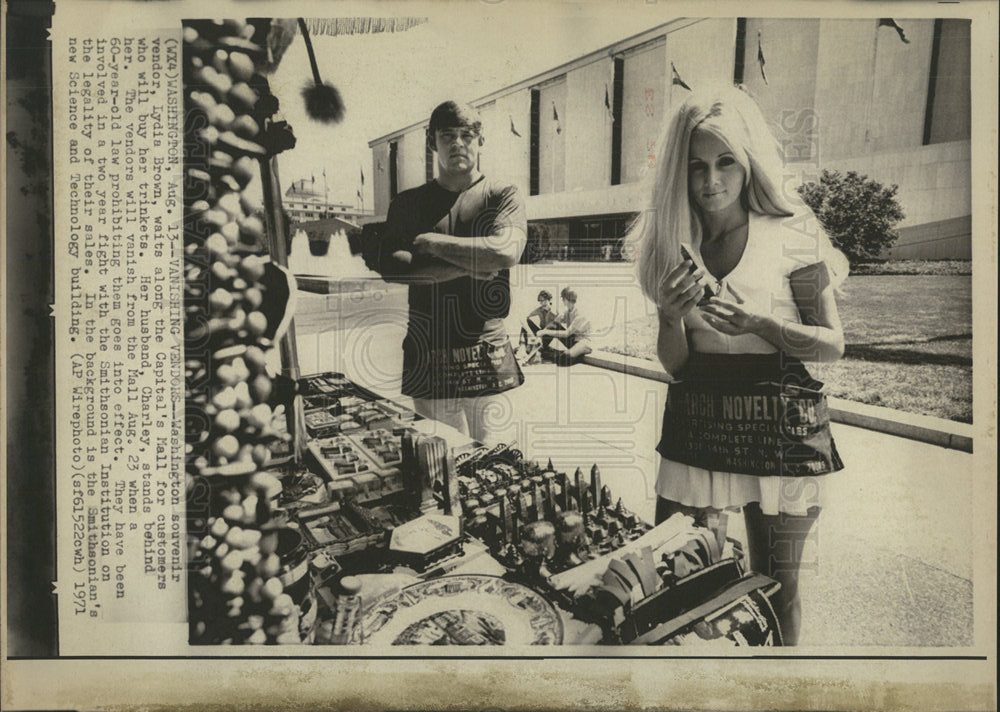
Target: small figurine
pixel 580 489
pixel 505 517
pixel 537 501
pixel 538 543
pixel 595 484
pixel 550 495
pixel 564 491
pixel 571 539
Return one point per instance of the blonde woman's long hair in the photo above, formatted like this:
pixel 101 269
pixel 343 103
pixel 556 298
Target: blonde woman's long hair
pixel 731 115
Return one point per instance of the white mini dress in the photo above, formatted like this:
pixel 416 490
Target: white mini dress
pixel 776 247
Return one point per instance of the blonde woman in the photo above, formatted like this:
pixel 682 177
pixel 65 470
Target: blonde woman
pixel 744 281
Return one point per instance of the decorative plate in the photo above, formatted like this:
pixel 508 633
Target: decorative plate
pixel 468 609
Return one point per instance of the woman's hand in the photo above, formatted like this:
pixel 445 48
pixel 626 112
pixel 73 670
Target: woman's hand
pixel 733 318
pixel 680 292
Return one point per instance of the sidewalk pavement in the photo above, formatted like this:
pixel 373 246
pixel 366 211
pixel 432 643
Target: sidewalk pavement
pixel 890 563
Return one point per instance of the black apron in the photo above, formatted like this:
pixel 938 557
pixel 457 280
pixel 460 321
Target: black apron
pixel 752 414
pixel 485 367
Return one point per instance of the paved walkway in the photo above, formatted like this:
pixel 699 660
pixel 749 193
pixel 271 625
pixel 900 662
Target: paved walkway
pixel 891 559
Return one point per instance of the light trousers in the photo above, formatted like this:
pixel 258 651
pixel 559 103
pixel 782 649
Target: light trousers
pixel 469 416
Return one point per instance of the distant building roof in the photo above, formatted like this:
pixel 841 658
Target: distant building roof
pixel 305 189
pixel 331 224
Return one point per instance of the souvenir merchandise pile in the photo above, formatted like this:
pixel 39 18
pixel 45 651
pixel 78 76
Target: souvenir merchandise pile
pixel 320 512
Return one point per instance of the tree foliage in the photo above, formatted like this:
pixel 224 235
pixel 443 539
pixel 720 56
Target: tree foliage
pixel 859 214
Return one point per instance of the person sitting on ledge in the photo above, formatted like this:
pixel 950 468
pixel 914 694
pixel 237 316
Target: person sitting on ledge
pixel 570 335
pixel 542 317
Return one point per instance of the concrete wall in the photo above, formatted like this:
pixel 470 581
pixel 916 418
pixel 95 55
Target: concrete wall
pixel 588 122
pixel 601 201
pixel 646 84
pixel 552 137
pixel 412 152
pixel 939 240
pixel 934 193
pixel 686 49
pixel 901 79
pixel 934 181
pixel 487 159
pixel 380 177
pixel 871 92
pixel 842 89
pixel 503 154
pixel 788 95
pixel 952 96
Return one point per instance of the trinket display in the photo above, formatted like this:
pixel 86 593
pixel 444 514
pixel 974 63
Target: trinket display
pixel 509 498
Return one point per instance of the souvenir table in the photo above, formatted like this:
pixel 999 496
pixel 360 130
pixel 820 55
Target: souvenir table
pixel 397 530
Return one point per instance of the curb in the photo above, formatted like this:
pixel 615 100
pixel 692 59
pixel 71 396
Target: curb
pixel 923 428
pixel 629 365
pixel 319 284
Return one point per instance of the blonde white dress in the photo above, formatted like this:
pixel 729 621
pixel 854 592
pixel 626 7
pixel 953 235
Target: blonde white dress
pixel 776 247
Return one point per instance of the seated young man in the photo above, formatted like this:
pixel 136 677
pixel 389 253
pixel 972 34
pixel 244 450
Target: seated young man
pixel 540 318
pixel 570 335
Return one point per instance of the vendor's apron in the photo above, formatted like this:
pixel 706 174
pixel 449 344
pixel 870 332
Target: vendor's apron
pixel 485 367
pixel 753 414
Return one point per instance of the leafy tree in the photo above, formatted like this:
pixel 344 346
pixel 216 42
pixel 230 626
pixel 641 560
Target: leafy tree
pixel 859 214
